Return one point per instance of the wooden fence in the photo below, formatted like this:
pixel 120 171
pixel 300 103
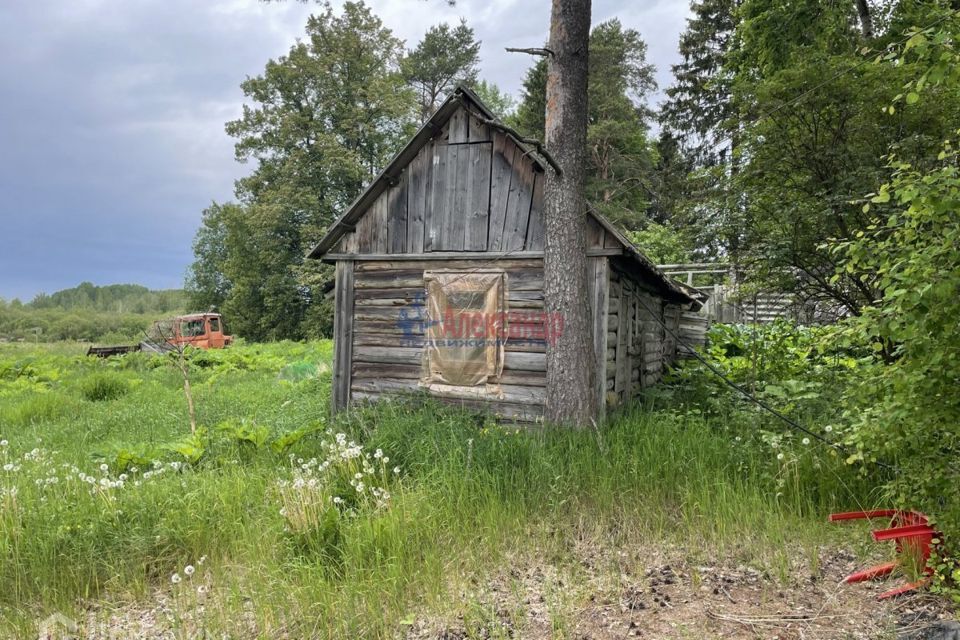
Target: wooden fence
pixel 727 304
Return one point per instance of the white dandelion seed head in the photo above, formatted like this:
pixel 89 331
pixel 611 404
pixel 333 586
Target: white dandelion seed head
pixel 189 570
pixel 175 578
pixel 806 441
pixel 8 466
pixel 104 467
pixel 779 456
pixel 828 428
pixel 396 470
pixel 3 443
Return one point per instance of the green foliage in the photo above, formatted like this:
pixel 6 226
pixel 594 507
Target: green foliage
pixel 661 244
pixel 699 110
pixel 467 489
pixel 105 385
pixel 620 154
pixel 319 123
pixel 114 313
pixel 117 298
pixel 447 56
pixel 502 104
pixel 907 410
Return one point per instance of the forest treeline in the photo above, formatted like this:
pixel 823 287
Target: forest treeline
pixel 778 124
pixel 89 312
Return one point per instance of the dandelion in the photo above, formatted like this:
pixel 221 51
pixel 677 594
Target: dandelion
pixel 202 560
pixel 378 454
pixel 337 500
pixel 201 590
pixel 8 466
pixel 189 569
pixel 3 443
pixel 104 467
pixel 806 441
pixel 828 428
pixel 386 459
pixel 396 471
pixel 360 487
pixel 175 578
pixel 779 456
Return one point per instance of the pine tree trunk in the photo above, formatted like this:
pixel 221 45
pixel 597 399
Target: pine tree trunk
pixel 570 370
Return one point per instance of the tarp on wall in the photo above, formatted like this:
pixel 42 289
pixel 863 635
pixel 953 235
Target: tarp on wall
pixel 466 330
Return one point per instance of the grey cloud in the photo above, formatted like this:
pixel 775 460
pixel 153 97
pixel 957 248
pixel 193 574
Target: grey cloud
pixel 112 113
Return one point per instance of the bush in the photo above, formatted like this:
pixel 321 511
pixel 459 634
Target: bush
pixel 104 386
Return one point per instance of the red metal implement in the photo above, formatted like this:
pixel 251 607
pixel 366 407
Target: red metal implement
pixel 912 534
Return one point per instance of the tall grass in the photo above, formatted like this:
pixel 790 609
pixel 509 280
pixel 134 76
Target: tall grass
pixel 469 492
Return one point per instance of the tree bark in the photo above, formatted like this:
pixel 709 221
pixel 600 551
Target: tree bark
pixel 570 368
pixel 866 23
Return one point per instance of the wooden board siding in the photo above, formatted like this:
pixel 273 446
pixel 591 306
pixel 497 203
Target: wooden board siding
pixel 468 189
pixel 637 346
pixel 342 334
pixel 387 333
pixel 598 283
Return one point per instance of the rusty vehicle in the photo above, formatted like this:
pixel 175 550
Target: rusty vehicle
pixel 199 330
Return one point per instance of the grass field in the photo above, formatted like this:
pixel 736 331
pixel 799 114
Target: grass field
pixel 397 521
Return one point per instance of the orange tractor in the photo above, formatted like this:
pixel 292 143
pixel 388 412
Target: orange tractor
pixel 199 330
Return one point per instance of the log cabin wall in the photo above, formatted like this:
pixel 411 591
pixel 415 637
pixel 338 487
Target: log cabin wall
pixel 471 198
pixel 638 347
pixel 388 331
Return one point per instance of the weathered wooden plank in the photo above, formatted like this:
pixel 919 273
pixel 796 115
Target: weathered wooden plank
pixel 610 241
pixel 477 131
pixel 520 280
pixel 518 205
pixel 380 229
pixel 376 371
pixel 514 360
pixel 622 370
pixel 535 235
pixel 436 197
pixel 500 181
pixel 453 227
pixel 452 261
pixel 397 215
pixel 505 411
pixel 595 233
pixel 349 243
pixel 510 393
pixel 343 335
pixel 478 211
pixel 458 131
pixel 598 283
pixel 369 334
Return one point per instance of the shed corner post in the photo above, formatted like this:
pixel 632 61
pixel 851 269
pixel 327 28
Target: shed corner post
pixel 342 335
pixel 598 282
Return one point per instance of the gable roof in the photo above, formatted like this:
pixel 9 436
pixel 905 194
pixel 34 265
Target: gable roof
pixel 464 97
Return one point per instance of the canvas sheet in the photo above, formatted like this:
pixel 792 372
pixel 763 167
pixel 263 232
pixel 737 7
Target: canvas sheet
pixel 466 330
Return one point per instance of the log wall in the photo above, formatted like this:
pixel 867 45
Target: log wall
pixel 387 334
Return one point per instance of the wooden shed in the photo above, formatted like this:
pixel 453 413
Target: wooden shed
pixel 439 279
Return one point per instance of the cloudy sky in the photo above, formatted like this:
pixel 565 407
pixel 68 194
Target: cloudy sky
pixel 112 113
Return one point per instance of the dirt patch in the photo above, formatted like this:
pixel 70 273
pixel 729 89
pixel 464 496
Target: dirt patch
pixel 603 597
